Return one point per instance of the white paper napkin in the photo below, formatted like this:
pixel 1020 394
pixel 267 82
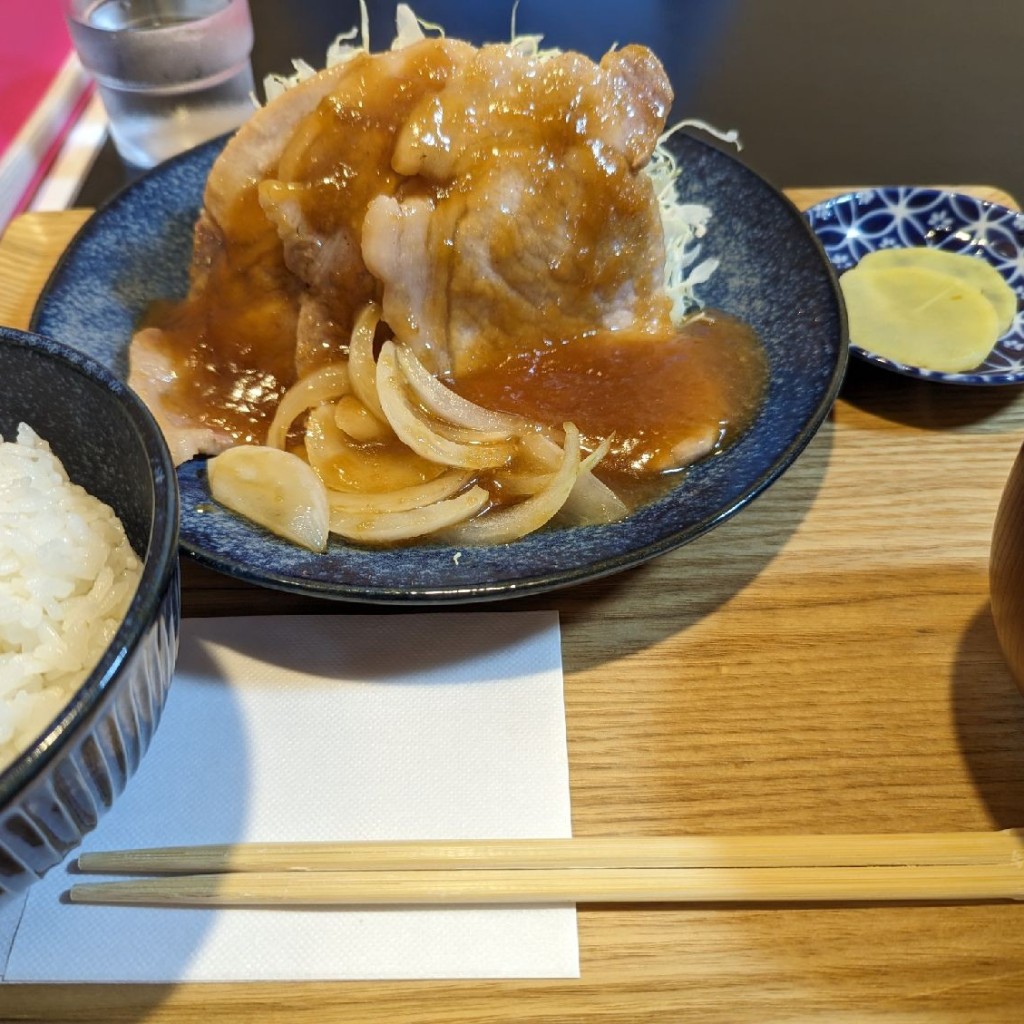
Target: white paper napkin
pixel 400 726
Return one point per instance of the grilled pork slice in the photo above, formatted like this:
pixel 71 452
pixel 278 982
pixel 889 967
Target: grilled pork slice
pixel 487 198
pixel 236 265
pixel 538 223
pixel 152 376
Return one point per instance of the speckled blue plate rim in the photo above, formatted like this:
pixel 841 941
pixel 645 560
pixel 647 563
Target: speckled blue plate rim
pixel 1010 346
pixel 790 287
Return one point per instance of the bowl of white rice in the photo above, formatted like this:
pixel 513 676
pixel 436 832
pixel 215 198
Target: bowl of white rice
pixel 89 597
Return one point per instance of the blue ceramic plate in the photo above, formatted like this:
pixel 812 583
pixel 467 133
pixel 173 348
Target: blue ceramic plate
pixel 852 225
pixel 773 275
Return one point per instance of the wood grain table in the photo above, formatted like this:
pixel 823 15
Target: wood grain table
pixel 823 662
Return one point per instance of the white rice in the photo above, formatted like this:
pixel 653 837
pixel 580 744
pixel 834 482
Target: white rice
pixel 67 576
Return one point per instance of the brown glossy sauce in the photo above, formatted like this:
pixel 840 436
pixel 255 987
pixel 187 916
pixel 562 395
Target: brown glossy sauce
pixel 232 348
pixel 662 400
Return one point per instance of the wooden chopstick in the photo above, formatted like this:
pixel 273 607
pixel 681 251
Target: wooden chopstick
pixel 900 866
pixel 896 849
pixel 577 885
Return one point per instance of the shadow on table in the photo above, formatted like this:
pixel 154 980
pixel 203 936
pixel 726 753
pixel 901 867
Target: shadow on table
pixel 988 712
pixel 124 1003
pixel 611 618
pixel 924 405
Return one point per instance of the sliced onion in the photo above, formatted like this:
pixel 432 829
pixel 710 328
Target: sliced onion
pixel 596 456
pixel 467 435
pixel 438 399
pixel 521 485
pixel 371 468
pixel 272 488
pixel 323 385
pixel 388 527
pixel 360 359
pixel 591 501
pixel 412 427
pixel 506 524
pixel 358 422
pixel 401 500
pixel 542 449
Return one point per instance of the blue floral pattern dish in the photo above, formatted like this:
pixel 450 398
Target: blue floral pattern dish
pixel 852 225
pixel 772 274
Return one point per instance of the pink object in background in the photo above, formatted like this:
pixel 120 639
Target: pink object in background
pixel 42 91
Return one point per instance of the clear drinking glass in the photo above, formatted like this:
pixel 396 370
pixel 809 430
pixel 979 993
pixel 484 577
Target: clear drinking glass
pixel 171 73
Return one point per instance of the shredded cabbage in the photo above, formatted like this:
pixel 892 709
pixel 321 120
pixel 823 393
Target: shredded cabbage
pixel 684 224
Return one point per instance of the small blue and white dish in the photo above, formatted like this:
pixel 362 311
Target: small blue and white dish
pixel 772 274
pixel 852 225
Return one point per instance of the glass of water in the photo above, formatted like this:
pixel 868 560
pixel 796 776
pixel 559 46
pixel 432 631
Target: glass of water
pixel 171 73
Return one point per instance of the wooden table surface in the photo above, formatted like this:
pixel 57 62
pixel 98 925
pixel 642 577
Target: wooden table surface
pixel 823 662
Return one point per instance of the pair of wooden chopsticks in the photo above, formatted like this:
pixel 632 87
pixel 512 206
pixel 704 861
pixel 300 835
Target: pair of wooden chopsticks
pixel 810 868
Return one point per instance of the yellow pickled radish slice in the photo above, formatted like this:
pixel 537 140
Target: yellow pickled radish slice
pixel 972 270
pixel 275 489
pixel 919 317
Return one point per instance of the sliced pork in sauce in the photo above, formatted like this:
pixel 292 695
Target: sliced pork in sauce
pixel 458 255
pixel 487 199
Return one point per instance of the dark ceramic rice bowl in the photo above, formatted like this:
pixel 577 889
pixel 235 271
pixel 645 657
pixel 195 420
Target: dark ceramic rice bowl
pixel 54 792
